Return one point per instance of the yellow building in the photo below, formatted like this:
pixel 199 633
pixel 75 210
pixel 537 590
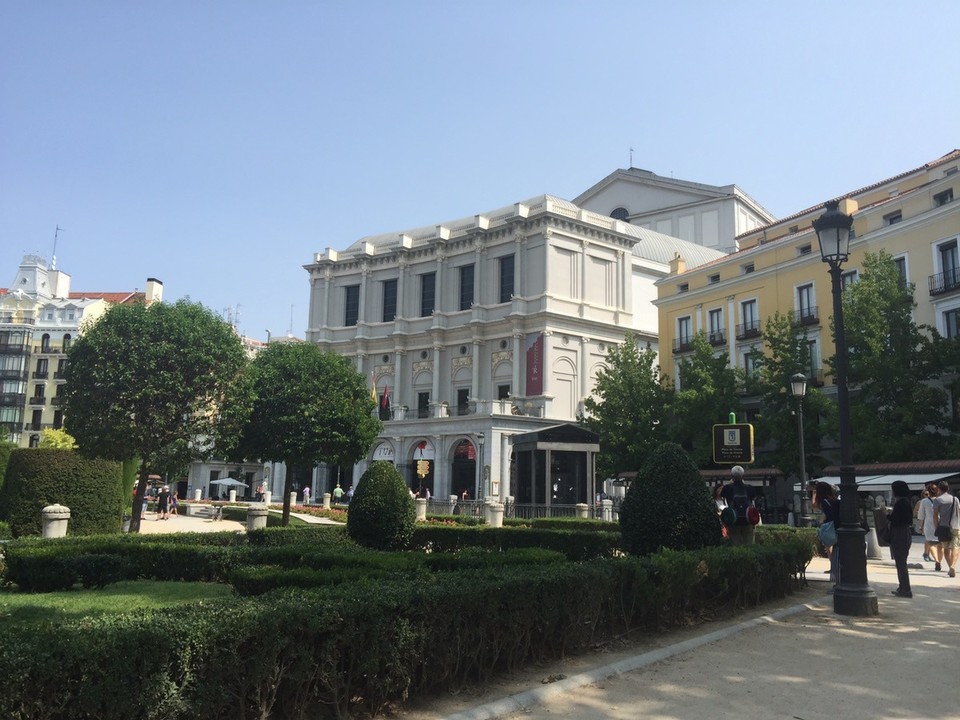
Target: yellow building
pixel 914 216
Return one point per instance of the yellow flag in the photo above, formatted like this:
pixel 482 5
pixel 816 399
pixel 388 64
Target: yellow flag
pixel 373 388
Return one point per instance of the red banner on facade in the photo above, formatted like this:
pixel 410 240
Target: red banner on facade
pixel 534 364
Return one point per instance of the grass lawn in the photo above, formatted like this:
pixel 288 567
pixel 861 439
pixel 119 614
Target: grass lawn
pixel 25 609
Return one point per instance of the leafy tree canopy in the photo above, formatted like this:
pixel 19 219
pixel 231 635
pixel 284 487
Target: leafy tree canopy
pixel 627 408
pixel 143 379
pixel 309 407
pixel 54 439
pixel 897 411
pixel 707 395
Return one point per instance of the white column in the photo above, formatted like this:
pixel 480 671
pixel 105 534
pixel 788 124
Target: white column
pixel 328 282
pixel 475 389
pixel 399 387
pixel 435 390
pixel 732 332
pixel 364 288
pixel 401 287
pixel 584 367
pixel 504 465
pixel 517 359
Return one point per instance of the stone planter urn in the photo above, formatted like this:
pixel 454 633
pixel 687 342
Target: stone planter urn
pixel 55 520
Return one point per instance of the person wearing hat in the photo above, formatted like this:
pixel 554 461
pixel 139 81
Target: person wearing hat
pixel 900 522
pixel 163 503
pixel 739 498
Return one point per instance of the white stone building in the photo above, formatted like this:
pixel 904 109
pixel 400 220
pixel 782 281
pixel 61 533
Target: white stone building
pixel 484 328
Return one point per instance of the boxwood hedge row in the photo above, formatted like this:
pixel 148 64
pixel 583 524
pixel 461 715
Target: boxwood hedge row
pixel 327 652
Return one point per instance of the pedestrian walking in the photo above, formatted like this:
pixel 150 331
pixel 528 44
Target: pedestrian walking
pixel 740 496
pixel 900 522
pixel 932 552
pixel 946 513
pixel 825 500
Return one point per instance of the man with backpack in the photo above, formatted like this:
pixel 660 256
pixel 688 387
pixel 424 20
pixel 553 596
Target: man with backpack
pixel 739 497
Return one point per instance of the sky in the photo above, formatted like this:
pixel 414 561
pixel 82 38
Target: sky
pixel 216 146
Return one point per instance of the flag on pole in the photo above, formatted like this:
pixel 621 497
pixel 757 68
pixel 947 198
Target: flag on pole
pixel 385 398
pixel 373 387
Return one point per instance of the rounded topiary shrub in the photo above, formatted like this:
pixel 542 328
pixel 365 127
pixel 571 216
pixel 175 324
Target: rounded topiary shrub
pixel 90 488
pixel 668 505
pixel 381 513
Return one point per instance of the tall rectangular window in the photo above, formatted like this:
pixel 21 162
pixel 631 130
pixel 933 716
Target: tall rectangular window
pixel 506 278
pixel 716 326
pixel 951 323
pixel 751 322
pixel 503 392
pixel 683 331
pixel 949 264
pixel 749 363
pixel 389 300
pixel 806 310
pixel 466 287
pixel 351 305
pixel 423 404
pixel 463 401
pixel 901 263
pixel 848 278
pixel 428 290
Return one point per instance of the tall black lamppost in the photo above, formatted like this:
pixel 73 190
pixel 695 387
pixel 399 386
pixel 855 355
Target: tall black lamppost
pixel 798 388
pixel 852 596
pixel 480 489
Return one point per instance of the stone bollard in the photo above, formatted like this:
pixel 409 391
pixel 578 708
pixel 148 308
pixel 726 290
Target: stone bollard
pixel 293 499
pixel 874 551
pixel 197 494
pixel 496 515
pixel 232 496
pixel 267 496
pixel 257 517
pixel 582 510
pixel 453 504
pixel 421 509
pixel 607 512
pixel 55 520
pixel 326 501
pixel 791 520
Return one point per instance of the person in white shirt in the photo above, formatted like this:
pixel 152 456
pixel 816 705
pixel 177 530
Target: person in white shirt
pixel 932 551
pixel 946 513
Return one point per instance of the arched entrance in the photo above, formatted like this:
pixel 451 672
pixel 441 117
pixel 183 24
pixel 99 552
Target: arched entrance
pixel 463 471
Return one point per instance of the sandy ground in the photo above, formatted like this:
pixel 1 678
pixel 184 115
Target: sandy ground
pixel 150 525
pixel 794 659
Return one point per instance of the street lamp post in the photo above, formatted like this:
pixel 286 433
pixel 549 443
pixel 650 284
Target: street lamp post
pixel 480 439
pixel 798 388
pixel 852 596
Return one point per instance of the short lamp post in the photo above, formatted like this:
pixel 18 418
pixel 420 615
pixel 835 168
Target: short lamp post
pixel 798 388
pixel 480 440
pixel 852 596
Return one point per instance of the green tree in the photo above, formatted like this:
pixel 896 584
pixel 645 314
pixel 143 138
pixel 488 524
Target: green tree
pixel 143 379
pixel 789 353
pixel 627 407
pixel 54 439
pixel 309 407
pixel 382 513
pixel 897 410
pixel 706 396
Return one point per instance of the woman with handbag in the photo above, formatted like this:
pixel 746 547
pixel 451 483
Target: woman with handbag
pixel 900 522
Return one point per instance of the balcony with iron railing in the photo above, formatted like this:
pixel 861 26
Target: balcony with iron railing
pixel 13 399
pixel 748 330
pixel 38 400
pixel 682 345
pixel 717 337
pixel 808 315
pixel 13 374
pixel 945 282
pixel 15 348
pixel 40 374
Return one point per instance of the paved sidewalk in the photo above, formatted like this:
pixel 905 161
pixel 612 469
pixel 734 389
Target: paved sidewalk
pixel 150 525
pixel 795 660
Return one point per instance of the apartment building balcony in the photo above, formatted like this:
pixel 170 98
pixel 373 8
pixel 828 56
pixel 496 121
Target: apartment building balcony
pixel 60 375
pixel 56 400
pixel 40 374
pixel 717 338
pixel 944 282
pixel 508 406
pixel 682 345
pixel 37 427
pixel 748 330
pixel 13 399
pixel 11 374
pixel 37 401
pixel 15 348
pixel 809 316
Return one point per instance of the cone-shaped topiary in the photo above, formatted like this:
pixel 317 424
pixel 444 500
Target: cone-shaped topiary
pixel 668 505
pixel 381 513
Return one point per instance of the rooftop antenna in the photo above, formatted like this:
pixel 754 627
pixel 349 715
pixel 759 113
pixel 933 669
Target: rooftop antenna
pixel 631 157
pixel 53 263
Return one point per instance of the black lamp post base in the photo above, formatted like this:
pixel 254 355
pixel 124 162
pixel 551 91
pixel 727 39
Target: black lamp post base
pixel 858 602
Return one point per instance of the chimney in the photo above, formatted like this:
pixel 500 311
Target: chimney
pixel 677 265
pixel 154 291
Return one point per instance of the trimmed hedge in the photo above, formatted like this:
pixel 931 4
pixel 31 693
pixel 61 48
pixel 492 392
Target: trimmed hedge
pixel 353 647
pixel 382 513
pixel 35 478
pixel 575 545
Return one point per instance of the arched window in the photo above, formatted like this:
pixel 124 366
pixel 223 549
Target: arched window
pixel 621 213
pixel 45 343
pixel 66 342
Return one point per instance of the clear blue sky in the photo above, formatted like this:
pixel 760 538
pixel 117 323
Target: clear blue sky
pixel 218 145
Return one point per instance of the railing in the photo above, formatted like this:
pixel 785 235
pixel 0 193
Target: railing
pixel 37 401
pixel 15 348
pixel 808 316
pixel 944 282
pixel 717 337
pixel 14 374
pixel 41 375
pixel 682 345
pixel 748 330
pixel 60 375
pixel 528 511
pixel 16 399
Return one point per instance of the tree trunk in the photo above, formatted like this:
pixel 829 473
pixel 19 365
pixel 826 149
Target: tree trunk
pixel 137 509
pixel 287 487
